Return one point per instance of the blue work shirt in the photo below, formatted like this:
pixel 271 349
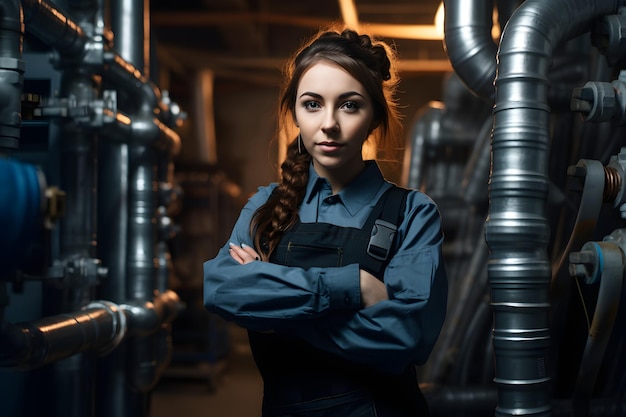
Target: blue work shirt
pixel 323 305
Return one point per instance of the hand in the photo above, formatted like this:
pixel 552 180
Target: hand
pixel 243 254
pixel 372 289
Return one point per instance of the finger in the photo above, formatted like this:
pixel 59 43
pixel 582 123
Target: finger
pixel 235 256
pixel 251 252
pixel 236 253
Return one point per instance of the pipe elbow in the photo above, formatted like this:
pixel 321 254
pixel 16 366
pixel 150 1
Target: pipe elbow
pixel 473 57
pixel 147 317
pixel 145 130
pixel 469 44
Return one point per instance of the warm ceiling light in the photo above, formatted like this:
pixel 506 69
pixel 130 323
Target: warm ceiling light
pixel 348 13
pixel 432 32
pixel 439 18
pixel 418 32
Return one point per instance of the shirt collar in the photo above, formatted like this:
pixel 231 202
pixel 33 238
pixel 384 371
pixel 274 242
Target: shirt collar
pixel 356 194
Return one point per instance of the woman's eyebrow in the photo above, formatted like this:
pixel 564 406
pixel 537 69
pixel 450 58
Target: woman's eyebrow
pixel 341 96
pixel 310 94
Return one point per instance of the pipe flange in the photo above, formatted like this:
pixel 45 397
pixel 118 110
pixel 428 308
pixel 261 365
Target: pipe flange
pixel 119 324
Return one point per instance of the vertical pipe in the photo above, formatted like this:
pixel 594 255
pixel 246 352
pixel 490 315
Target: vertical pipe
pixel 136 373
pixel 141 268
pixel 78 175
pixel 206 150
pixel 74 376
pixel 11 73
pixel 128 20
pixel 141 223
pixel 428 126
pixel 516 229
pixel 116 398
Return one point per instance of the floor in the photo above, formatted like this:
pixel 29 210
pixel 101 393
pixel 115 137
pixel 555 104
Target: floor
pixel 230 388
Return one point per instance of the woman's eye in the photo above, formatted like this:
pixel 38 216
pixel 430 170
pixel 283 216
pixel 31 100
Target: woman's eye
pixel 350 106
pixel 311 105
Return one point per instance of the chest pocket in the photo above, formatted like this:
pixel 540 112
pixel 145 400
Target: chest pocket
pixel 298 254
pixel 326 245
pixel 321 245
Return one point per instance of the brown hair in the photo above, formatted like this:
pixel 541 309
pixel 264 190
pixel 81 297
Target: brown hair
pixel 367 60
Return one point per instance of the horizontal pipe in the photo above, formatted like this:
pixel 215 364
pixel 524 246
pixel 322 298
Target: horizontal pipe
pixel 100 326
pixel 45 21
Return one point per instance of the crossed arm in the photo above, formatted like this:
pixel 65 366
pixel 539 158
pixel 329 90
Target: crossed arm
pixel 372 289
pixel 343 310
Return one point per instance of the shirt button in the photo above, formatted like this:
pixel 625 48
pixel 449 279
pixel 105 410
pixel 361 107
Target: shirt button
pixel 347 300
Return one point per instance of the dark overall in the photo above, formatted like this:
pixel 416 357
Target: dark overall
pixel 301 381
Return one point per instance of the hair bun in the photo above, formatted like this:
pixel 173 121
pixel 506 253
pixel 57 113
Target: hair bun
pixel 377 53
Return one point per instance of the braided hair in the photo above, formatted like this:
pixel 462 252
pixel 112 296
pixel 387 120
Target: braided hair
pixel 370 62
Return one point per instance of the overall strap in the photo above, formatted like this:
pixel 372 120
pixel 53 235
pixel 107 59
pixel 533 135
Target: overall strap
pixel 383 222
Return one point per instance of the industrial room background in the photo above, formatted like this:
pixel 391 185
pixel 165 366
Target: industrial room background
pixel 131 132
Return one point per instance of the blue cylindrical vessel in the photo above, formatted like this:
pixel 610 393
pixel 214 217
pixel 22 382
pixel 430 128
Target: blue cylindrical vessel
pixel 21 207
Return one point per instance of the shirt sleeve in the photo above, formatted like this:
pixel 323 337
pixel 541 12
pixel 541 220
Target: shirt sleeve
pixel 264 296
pixel 401 331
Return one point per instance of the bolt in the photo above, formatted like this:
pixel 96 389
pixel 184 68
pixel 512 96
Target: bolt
pixel 582 264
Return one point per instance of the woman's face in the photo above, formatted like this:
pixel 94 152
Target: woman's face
pixel 335 115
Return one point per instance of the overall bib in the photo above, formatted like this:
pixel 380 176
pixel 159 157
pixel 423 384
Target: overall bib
pixel 302 381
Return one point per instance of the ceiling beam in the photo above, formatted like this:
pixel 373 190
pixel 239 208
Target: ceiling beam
pixel 198 19
pixel 189 19
pixel 198 59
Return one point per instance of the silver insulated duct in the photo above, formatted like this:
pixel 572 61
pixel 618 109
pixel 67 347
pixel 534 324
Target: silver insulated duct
pixel 516 228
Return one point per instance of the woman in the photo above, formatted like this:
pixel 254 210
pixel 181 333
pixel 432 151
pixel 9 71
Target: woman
pixel 333 332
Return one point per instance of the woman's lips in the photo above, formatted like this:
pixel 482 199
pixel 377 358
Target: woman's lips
pixel 329 146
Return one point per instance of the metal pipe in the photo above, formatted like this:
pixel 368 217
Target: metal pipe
pixel 100 326
pixel 54 28
pixel 78 177
pixel 428 125
pixel 149 354
pixel 51 26
pixel 469 45
pixel 131 23
pixel 122 73
pixel 144 97
pixel 73 376
pixel 516 229
pixel 476 177
pixel 140 266
pixel 11 73
pixel 149 140
pixel 146 318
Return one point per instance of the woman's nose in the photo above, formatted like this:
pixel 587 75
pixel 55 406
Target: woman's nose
pixel 330 123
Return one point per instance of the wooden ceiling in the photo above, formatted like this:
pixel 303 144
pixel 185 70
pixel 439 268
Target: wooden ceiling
pixel 250 39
